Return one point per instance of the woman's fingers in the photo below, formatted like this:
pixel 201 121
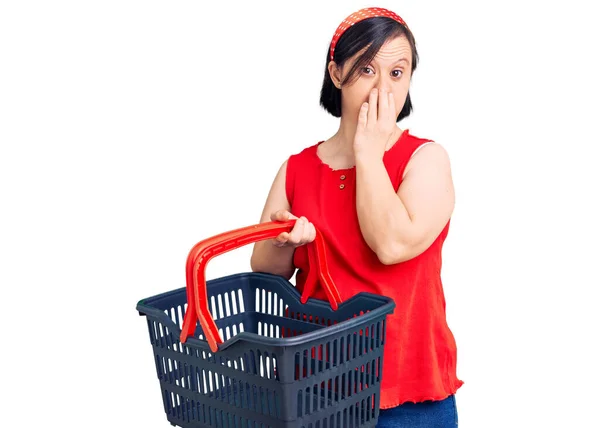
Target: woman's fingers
pixel 282 239
pixel 298 231
pixel 392 106
pixel 383 107
pixel 372 113
pixel 279 215
pixel 302 233
pixel 362 117
pixel 282 215
pixel 306 232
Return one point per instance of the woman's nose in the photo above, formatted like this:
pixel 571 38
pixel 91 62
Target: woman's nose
pixel 383 85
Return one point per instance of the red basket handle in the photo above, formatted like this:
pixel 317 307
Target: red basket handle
pixel 205 250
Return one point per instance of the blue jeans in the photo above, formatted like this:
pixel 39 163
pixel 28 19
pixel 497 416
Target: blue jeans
pixel 427 414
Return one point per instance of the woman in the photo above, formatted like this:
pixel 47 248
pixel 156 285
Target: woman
pixel 382 199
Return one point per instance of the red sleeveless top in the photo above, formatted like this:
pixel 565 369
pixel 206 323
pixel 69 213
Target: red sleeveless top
pixel 420 352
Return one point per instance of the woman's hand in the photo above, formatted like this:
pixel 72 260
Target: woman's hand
pixel 302 233
pixel 376 125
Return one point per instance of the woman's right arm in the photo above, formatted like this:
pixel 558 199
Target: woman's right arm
pixel 275 255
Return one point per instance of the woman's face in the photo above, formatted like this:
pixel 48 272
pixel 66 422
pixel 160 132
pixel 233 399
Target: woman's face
pixel 390 70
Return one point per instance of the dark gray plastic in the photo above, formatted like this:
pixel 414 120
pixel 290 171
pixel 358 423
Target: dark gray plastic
pixel 282 363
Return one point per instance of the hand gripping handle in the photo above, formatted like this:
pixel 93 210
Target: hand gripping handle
pixel 205 250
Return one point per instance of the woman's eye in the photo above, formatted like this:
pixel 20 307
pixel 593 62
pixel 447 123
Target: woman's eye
pixel 366 70
pixel 398 73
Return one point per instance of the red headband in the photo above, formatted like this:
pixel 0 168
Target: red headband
pixel 369 12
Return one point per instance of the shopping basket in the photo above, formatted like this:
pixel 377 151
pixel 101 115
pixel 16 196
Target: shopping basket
pixel 249 351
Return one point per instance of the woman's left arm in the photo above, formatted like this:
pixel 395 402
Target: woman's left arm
pixel 400 226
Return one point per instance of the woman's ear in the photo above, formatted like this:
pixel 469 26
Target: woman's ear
pixel 335 74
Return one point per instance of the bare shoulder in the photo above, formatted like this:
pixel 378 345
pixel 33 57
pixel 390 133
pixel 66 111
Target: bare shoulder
pixel 430 155
pixel 281 172
pixel 277 196
pixel 280 178
pixel 283 168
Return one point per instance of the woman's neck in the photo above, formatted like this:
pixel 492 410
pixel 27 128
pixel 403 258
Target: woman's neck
pixel 343 140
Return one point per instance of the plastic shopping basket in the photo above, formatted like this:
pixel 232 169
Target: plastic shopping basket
pixel 248 351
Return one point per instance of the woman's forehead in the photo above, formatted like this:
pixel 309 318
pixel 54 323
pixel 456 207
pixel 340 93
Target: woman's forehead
pixel 391 51
pixel 394 49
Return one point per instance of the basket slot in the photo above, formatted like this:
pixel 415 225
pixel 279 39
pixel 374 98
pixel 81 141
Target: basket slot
pixel 350 387
pixel 259 403
pixel 269 302
pixel 197 372
pixel 226 304
pixel 312 399
pixel 162 336
pixel 357 414
pixel 349 348
pixel 222 388
pixel 232 294
pixel 175 313
pixel 286 327
pixel 263 325
pixel 232 326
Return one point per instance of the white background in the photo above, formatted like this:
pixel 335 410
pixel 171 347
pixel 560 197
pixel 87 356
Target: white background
pixel 131 130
